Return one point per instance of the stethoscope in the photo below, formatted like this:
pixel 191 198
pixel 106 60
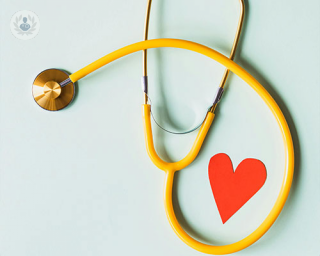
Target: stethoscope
pixel 54 89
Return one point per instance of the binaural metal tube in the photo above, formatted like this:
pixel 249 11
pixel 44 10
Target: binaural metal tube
pixel 232 54
pixel 144 54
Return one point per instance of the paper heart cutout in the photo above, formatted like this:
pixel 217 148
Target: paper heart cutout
pixel 231 190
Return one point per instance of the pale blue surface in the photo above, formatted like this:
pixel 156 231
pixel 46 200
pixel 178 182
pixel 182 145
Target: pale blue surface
pixel 79 181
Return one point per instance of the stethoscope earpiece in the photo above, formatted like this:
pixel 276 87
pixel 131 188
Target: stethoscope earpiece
pixel 49 93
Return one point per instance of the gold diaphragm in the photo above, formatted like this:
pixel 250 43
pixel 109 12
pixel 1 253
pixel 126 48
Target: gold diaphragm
pixel 48 93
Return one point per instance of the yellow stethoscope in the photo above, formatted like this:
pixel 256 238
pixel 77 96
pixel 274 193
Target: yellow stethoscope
pixel 53 89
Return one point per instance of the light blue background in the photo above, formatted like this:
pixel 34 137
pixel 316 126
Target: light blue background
pixel 79 181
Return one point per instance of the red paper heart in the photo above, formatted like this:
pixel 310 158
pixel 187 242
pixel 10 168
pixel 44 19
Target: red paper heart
pixel 231 190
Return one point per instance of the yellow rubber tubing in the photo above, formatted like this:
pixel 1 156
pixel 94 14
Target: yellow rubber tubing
pixel 171 168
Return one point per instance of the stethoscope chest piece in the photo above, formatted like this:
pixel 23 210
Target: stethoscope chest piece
pixel 47 91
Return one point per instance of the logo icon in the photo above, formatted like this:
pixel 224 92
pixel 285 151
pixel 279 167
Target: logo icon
pixel 25 25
